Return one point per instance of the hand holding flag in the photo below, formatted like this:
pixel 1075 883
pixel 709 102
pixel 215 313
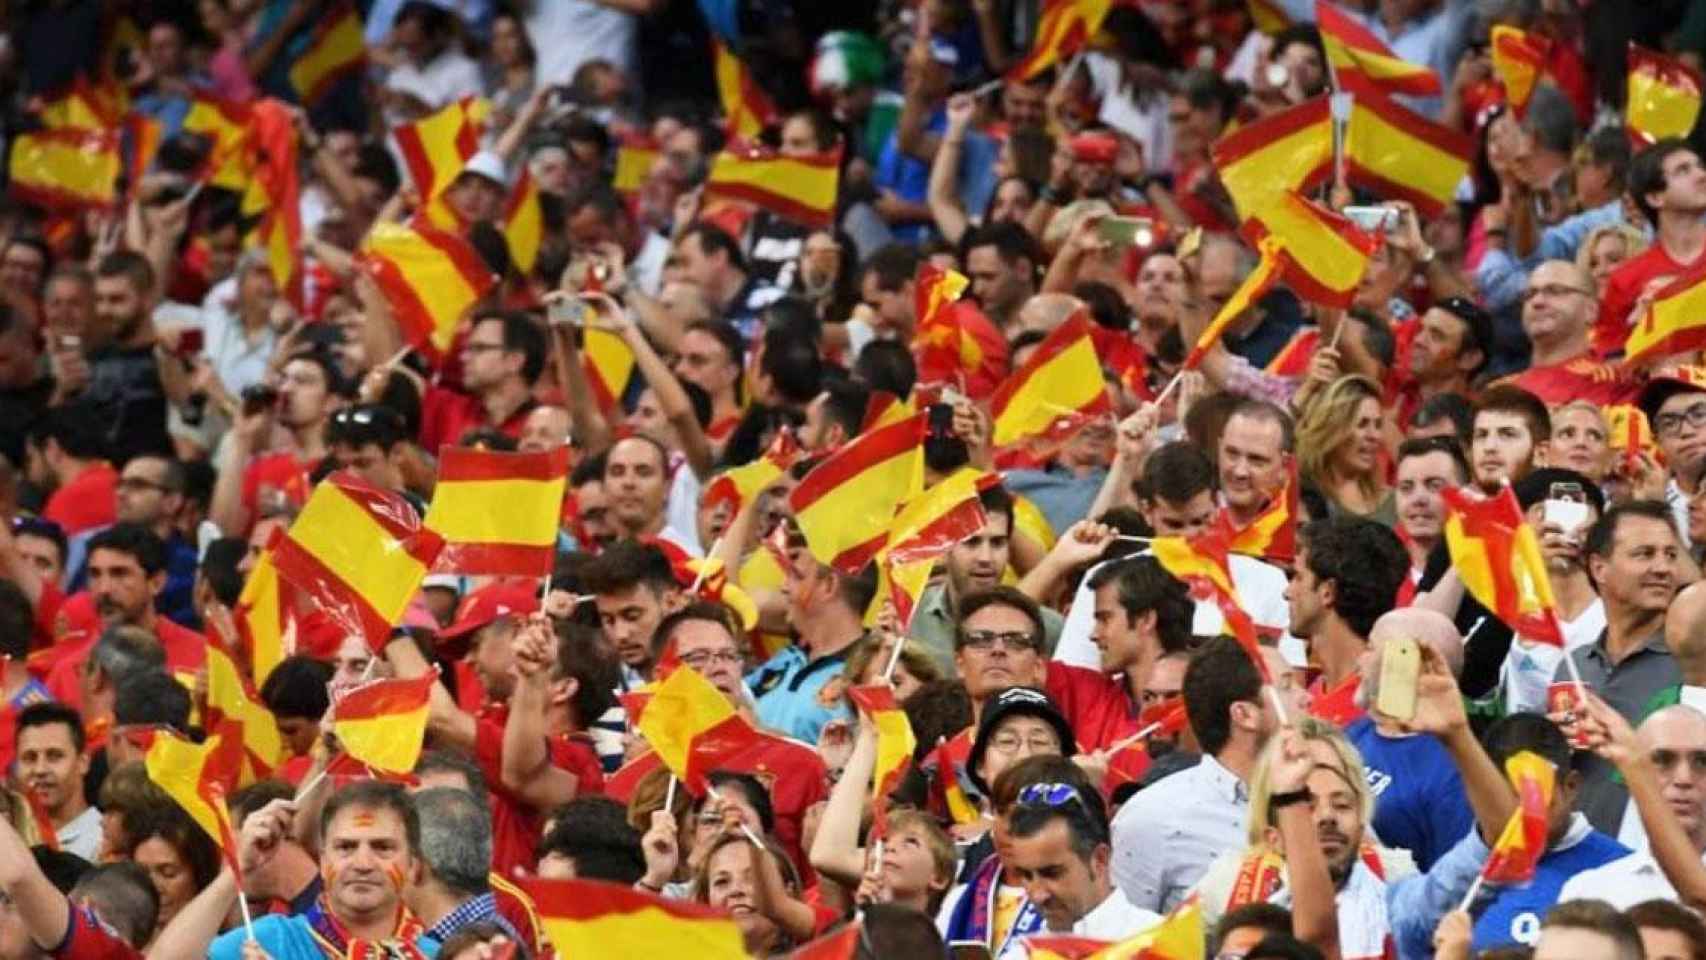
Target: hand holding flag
pixel 1497 555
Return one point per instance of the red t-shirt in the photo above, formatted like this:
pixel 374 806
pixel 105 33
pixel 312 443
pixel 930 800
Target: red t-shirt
pixel 87 938
pixel 277 474
pixel 1582 378
pixel 88 502
pixel 186 652
pixel 1622 289
pixel 515 824
pixel 446 415
pixel 1094 704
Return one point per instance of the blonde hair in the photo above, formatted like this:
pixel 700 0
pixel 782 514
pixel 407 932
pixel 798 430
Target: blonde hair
pixel 1573 406
pixel 1350 768
pixel 1634 241
pixel 1326 424
pixel 943 856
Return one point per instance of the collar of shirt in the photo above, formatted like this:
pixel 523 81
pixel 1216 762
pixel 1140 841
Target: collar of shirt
pixel 1225 782
pixel 1654 643
pixel 480 909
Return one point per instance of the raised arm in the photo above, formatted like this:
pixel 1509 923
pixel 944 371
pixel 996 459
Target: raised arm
pixel 1314 910
pixel 45 912
pixel 1439 711
pixel 944 205
pixel 835 850
pixel 445 720
pixel 671 396
pixel 527 769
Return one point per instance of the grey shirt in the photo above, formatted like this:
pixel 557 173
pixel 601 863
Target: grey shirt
pixel 1628 686
pixel 1167 834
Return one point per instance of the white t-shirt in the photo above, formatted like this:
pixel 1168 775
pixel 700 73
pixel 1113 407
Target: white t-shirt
pixel 446 78
pixel 568 33
pixel 1530 667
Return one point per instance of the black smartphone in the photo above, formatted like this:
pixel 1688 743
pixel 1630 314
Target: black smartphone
pixel 941 422
pixel 258 398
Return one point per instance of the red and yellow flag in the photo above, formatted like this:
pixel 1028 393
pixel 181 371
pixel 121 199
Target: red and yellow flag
pixel 1203 557
pixel 66 168
pixel 738 485
pixel 692 728
pixel 233 705
pixel 359 553
pixel 524 223
pixel 587 918
pixel 430 277
pixel 843 944
pixel 1519 61
pixel 1353 51
pixel 1523 841
pixel 1631 434
pixel 1268 16
pixel 85 106
pixel 1179 936
pixel 274 189
pixel 382 724
pixel 264 616
pixel 634 158
pixel 1261 162
pixel 1497 555
pixel 845 504
pixel 1322 254
pixel 497 512
pixel 436 147
pixel 1064 28
pixel 927 526
pixel 198 777
pixel 800 189
pixel 225 125
pixel 335 50
pixel 1339 706
pixel 1057 391
pixel 885 408
pixel 609 366
pixel 895 746
pixel 1402 155
pixel 1664 96
pixel 1272 536
pixel 1675 320
pixel 1268 270
pixel 746 107
pixel 933 288
pixel 961 346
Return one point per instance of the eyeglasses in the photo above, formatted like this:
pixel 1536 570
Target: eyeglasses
pixel 700 659
pixel 1050 795
pixel 139 483
pixel 1553 291
pixel 1666 759
pixel 1012 640
pixel 1669 424
pixel 1008 744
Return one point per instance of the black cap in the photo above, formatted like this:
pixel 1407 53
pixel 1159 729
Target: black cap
pixel 1015 701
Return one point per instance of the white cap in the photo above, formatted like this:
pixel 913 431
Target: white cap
pixel 486 164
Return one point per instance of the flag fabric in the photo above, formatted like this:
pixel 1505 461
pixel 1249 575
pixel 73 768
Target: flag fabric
pixel 1339 706
pixel 746 107
pixel 1268 270
pixel 225 125
pixel 1674 322
pixel 430 277
pixel 1523 841
pixel 1240 626
pixel 845 504
pixel 692 728
pixel 960 807
pixel 588 918
pixel 524 223
pixel 1261 162
pixel 233 705
pixel 335 50
pixel 799 189
pixel 84 106
pixel 885 408
pixel 264 616
pixel 737 486
pixel 383 723
pixel 924 528
pixel 1497 555
pixel 1631 434
pixel 436 147
pixel 1519 61
pixel 65 168
pixel 962 347
pixel 272 136
pixel 1401 155
pixel 359 553
pixel 1057 391
pixel 497 512
pixel 609 365
pixel 634 159
pixel 933 288
pixel 1203 557
pixel 1322 254
pixel 1178 936
pixel 1272 536
pixel 1268 16
pixel 1664 96
pixel 143 135
pixel 895 746
pixel 1064 28
pixel 197 777
pixel 1354 51
pixel 843 944
pixel 46 834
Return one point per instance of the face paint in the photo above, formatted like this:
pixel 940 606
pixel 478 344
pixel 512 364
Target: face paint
pixel 364 820
pixel 396 874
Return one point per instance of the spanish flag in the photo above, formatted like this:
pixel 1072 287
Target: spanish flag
pixel 66 169
pixel 1267 270
pixel 436 147
pixel 634 158
pixel 587 918
pixel 1519 61
pixel 143 135
pixel 1056 392
pixel 895 745
pixel 1400 154
pixel 335 50
pixel 382 724
pixel 933 288
pixel 1338 706
pixel 1268 17
pixel 845 504
pixel 692 728
pixel 84 106
pixel 843 944
pixel 264 616
pixel 1497 555
pixel 359 553
pixel 746 107
pixel 1353 51
pixel 1322 254
pixel 1238 623
pixel 885 408
pixel 272 134
pixel 1179 936
pixel 231 700
pixel 1203 557
pixel 524 223
pixel 1675 320
pixel 738 485
pixel 609 366
pixel 927 526
pixel 1263 161
pixel 198 777
pixel 953 341
pixel 1523 841
pixel 1272 536
pixel 430 277
pixel 1065 27
pixel 799 189
pixel 1631 434
pixel 1664 96
pixel 225 125
pixel 497 512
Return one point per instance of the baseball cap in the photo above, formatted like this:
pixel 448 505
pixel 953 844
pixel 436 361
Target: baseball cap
pixel 1663 386
pixel 486 164
pixel 491 603
pixel 1013 702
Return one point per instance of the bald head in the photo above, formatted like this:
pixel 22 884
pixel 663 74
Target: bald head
pixel 1685 632
pixel 1045 311
pixel 1428 627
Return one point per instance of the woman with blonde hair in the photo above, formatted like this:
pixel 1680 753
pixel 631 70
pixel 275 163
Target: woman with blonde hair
pixel 757 886
pixel 1339 445
pixel 1606 247
pixel 1581 439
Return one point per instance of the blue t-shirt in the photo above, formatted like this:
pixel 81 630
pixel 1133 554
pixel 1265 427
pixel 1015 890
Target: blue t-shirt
pixel 1419 801
pixel 796 696
pixel 1513 915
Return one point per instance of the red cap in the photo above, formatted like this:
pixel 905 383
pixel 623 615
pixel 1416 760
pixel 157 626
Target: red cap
pixel 1096 148
pixel 489 603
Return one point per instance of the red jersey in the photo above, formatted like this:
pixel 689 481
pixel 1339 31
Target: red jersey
pixel 1623 288
pixel 447 414
pixel 186 653
pixel 279 477
pixel 515 824
pixel 1582 378
pixel 88 501
pixel 87 938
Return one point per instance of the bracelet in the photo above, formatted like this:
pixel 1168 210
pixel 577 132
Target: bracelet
pixel 643 885
pixel 1279 801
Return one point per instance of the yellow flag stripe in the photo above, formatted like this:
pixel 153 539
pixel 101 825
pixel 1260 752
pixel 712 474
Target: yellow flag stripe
pixel 1396 154
pixel 645 932
pixel 391 743
pixel 1064 385
pixel 810 185
pixel 496 511
pixel 344 538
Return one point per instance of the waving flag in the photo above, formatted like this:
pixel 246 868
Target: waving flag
pixel 746 107
pixel 1261 162
pixel 1519 60
pixel 800 189
pixel 1631 435
pixel 895 746
pixel 586 918
pixel 1268 16
pixel 609 366
pixel 359 553
pixel 382 724
pixel 197 776
pixel 1179 936
pixel 927 526
pixel 1203 557
pixel 275 193
pixel 335 50
pixel 1272 536
pixel 1523 841
pixel 225 126
pixel 737 486
pixel 66 169
pixel 845 504
pixel 1497 555
pixel 692 728
pixel 1401 155
pixel 436 147
pixel 1674 322
pixel 885 408
pixel 1064 28
pixel 85 106
pixel 1268 269
pixel 430 277
pixel 1353 51
pixel 264 616
pixel 1057 391
pixel 961 346
pixel 497 511
pixel 1664 96
pixel 233 706
pixel 524 223
pixel 1322 254
pixel 634 158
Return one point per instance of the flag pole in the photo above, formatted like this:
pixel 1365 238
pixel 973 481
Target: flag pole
pixel 1474 889
pixel 669 797
pixel 1169 387
pixel 248 921
pixel 1279 705
pixel 743 827
pixel 303 791
pixel 699 577
pixel 1119 745
pixel 894 659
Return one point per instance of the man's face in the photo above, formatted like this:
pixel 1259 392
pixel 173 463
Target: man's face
pixel 1023 105
pixel 799 139
pixel 1685 184
pixel 485 362
pixel 999 287
pixel 123 591
pixel 702 359
pixel 637 483
pixel 366 862
pixel 1252 462
pixel 977 562
pixel 21 269
pixel 1017 738
pixel 1664 944
pixel 1307 596
pixel 544 430
pixel 549 167
pixel 1169 519
pixel 118 306
pixel 142 494
pixel 1337 811
pixel 893 308
pixel 1160 288
pixel 1421 508
pixel 494 658
pixel 999 651
pixel 698 268
pixel 1437 352
pixel 1680 429
pixel 1556 307
pixel 594 512
pixel 1121 638
pixel 630 618
pixel 1640 575
pixel 648 418
pixel 1501 448
pixel 1167 682
pixel 1675 741
pixel 50 766
pixel 370 462
pixel 303 397
pixel 68 306
pixel 708 649
pixel 1580 442
pixel 1575 943
pixel 299 734
pixel 42 554
pixel 1062 885
pixel 351 663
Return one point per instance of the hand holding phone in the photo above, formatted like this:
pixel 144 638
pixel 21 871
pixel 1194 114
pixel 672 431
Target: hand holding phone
pixel 1400 668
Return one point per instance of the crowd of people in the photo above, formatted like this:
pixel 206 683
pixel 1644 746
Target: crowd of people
pixel 1096 753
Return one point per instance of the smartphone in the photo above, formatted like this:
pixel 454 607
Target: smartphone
pixel 567 312
pixel 1570 516
pixel 1126 231
pixel 1400 668
pixel 1372 219
pixel 258 398
pixel 191 341
pixel 941 422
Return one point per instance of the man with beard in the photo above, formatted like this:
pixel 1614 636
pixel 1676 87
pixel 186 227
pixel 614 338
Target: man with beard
pixel 126 369
pixel 633 587
pixel 1675 405
pixel 1426 466
pixel 51 765
pixel 253 481
pixel 1633 554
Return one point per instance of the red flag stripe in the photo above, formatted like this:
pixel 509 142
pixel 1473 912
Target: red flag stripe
pixel 589 900
pixel 464 464
pixel 393 514
pixel 1252 138
pixel 894 440
pixel 385 698
pixel 304 569
pixel 498 559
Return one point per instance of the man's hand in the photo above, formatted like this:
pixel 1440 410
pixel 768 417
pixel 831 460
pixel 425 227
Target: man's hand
pixel 1439 703
pixel 264 830
pixel 1291 763
pixel 961 109
pixel 1451 938
pixel 1136 435
pixel 1600 728
pixel 532 646
pixel 1083 543
pixel 662 849
pixel 971 425
pixel 70 369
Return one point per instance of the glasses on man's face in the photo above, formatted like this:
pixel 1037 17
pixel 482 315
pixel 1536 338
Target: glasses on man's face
pixel 1013 641
pixel 1670 424
pixel 1008 743
pixel 472 347
pixel 700 659
pixel 1553 291
pixel 140 483
pixel 1667 759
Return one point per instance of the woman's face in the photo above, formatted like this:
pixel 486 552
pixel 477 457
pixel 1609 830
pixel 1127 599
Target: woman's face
pixel 1580 441
pixel 908 867
pixel 173 879
pixel 820 261
pixel 1360 453
pixel 1012 201
pixel 1608 251
pixel 114 841
pixel 732 886
pixel 506 41
pixel 729 813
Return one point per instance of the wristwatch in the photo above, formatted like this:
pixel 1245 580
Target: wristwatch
pixel 1426 256
pixel 1280 801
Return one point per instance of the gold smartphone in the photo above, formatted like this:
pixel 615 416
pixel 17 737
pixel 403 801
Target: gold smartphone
pixel 1400 668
